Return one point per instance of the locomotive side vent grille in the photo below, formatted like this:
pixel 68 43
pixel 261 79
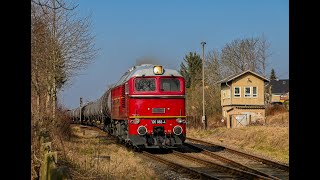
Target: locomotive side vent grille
pixel 158 110
pixel 123 100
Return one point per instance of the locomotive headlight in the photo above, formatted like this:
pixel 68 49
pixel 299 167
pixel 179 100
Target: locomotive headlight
pixel 142 130
pixel 158 70
pixel 135 121
pixel 180 121
pixel 177 130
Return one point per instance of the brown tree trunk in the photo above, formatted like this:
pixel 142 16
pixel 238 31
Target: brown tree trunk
pixel 47 105
pixel 54 100
pixel 38 107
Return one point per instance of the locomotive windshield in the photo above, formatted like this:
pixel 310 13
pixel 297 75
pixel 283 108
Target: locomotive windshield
pixel 145 84
pixel 169 84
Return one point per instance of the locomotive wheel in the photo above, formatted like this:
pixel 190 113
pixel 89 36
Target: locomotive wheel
pixel 136 149
pixel 120 140
pixel 127 144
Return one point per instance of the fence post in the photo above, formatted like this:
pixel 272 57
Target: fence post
pixel 44 150
pixel 48 168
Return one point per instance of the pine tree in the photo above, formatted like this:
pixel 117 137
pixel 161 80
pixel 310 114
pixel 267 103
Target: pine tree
pixel 191 69
pixel 273 75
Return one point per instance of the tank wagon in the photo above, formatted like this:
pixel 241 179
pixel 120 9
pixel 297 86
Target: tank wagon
pixel 144 109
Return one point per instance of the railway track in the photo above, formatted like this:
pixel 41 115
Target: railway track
pixel 201 168
pixel 240 160
pixel 210 161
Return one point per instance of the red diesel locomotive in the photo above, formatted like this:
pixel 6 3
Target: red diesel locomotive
pixel 144 109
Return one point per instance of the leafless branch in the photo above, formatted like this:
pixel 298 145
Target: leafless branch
pixel 47 5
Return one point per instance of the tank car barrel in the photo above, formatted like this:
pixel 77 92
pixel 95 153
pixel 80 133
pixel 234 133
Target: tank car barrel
pixel 98 108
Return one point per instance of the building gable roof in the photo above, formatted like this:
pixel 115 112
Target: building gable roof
pixel 234 76
pixel 280 86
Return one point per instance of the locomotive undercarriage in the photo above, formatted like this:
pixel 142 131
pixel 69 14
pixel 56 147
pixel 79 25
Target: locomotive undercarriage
pixel 157 141
pixel 92 121
pixel 119 129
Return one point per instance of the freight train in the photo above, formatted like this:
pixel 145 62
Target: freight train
pixel 144 109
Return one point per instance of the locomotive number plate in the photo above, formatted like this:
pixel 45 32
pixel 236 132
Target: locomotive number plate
pixel 158 121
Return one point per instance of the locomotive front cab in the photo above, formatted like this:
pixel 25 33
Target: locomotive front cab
pixel 157 109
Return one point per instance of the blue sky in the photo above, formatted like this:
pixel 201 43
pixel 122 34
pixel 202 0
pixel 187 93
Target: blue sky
pixel 167 30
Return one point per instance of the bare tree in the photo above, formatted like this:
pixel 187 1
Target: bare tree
pixel 213 67
pixel 263 54
pixel 40 54
pixel 212 76
pixel 47 4
pixel 61 46
pixel 71 45
pixel 244 54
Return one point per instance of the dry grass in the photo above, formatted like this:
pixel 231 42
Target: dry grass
pixel 278 120
pixel 215 121
pixel 271 141
pixel 275 109
pixel 81 154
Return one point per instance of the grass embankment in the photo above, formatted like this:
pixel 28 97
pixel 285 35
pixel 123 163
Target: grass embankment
pixel 81 153
pixel 271 140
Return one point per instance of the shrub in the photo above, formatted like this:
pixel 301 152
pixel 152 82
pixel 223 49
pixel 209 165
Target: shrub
pixel 275 109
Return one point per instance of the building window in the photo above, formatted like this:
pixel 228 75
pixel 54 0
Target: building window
pixel 237 92
pixel 247 92
pixel 254 92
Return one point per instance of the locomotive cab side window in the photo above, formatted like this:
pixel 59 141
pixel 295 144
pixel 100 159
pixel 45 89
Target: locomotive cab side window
pixel 170 84
pixel 145 84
